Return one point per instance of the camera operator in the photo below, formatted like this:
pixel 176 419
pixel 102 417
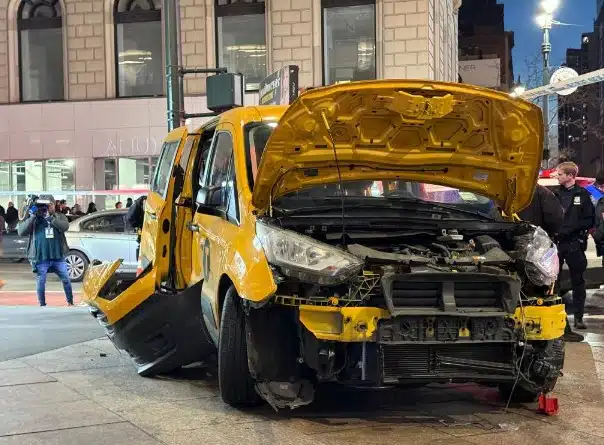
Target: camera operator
pixel 47 244
pixel 572 236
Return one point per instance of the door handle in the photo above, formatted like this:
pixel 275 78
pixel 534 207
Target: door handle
pixel 193 227
pixel 152 215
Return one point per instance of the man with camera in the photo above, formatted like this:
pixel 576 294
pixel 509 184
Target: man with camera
pixel 47 244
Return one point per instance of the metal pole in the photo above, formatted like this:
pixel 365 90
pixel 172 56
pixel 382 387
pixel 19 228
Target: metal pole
pixel 172 43
pixel 546 48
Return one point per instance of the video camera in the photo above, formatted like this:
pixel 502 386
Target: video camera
pixel 37 203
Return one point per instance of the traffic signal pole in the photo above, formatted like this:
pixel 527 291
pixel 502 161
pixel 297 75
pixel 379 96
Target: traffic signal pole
pixel 174 88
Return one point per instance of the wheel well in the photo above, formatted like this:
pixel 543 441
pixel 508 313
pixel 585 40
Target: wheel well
pixel 223 286
pixel 80 252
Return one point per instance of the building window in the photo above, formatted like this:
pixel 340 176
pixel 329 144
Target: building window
pixel 28 176
pixel 241 37
pixel 40 28
pixel 138 46
pixel 348 40
pixel 59 175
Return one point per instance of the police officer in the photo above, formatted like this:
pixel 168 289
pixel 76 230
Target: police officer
pixel 546 212
pixel 572 236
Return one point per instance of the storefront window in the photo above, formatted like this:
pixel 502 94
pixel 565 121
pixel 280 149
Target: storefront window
pixel 28 176
pixel 5 177
pixel 134 173
pixel 60 175
pixel 242 39
pixel 109 174
pixel 349 40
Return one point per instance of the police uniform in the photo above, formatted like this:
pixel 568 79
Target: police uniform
pixel 572 240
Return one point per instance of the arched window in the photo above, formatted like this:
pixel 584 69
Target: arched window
pixel 40 28
pixel 138 47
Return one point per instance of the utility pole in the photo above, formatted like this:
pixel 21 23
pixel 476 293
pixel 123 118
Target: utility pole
pixel 174 89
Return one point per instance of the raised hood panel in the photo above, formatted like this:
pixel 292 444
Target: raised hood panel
pixel 450 134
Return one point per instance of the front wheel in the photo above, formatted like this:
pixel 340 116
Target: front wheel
pixel 77 264
pixel 234 379
pixel 543 373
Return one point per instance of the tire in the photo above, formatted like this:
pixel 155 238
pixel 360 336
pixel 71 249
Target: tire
pixel 77 265
pixel 234 379
pixel 554 349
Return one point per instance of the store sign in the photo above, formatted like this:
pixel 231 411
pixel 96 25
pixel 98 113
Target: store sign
pixel 481 72
pixel 280 87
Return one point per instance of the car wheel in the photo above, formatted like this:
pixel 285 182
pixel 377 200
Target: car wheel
pixel 522 393
pixel 234 379
pixel 77 264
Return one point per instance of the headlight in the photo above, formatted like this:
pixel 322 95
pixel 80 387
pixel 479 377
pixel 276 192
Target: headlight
pixel 304 258
pixel 542 264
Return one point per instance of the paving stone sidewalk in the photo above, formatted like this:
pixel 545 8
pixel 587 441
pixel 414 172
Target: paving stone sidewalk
pixel 90 394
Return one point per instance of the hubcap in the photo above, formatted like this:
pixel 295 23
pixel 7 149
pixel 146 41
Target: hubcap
pixel 75 266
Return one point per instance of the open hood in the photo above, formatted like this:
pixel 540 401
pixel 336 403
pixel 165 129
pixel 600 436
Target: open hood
pixel 461 136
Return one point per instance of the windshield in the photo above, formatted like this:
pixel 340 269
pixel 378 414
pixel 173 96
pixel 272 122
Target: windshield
pixel 257 136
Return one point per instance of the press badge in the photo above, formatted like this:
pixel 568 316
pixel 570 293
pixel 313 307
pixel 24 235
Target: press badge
pixel 50 233
pixel 577 201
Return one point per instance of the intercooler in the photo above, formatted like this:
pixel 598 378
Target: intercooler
pixel 400 363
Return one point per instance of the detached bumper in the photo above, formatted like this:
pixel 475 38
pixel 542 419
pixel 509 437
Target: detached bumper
pixel 163 333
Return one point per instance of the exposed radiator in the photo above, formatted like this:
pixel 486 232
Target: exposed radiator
pixel 401 362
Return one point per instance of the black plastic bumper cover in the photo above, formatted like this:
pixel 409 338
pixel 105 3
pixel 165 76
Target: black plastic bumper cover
pixel 165 332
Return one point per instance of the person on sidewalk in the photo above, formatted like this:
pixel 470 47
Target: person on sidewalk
pixel 546 212
pixel 136 218
pixel 12 217
pixel 572 237
pixel 598 233
pixel 47 244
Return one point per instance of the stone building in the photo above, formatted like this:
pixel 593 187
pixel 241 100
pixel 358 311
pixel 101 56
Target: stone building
pixel 82 81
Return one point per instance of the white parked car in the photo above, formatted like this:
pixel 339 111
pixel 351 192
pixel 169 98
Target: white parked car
pixel 103 236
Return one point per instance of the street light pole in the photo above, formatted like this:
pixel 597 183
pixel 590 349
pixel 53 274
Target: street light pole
pixel 546 48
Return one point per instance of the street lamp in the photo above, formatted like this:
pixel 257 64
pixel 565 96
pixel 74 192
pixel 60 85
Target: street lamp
pixel 518 90
pixel 545 20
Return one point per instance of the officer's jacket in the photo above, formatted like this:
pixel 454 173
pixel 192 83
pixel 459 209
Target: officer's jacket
pixel 578 213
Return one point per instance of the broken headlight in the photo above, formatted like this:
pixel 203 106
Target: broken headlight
pixel 542 264
pixel 303 258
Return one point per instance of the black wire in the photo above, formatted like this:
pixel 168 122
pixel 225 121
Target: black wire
pixel 341 183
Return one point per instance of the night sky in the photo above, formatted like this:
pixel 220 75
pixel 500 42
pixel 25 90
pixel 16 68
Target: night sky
pixel 519 17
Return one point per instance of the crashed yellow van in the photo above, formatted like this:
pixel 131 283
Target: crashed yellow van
pixel 363 235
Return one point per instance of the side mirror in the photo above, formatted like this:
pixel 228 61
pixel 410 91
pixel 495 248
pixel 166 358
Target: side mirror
pixel 210 196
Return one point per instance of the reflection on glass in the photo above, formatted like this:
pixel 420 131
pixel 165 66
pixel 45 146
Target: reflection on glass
pixel 41 64
pixel 140 63
pixel 242 47
pixel 4 176
pixel 349 36
pixel 60 175
pixel 27 176
pixel 133 173
pixel 110 174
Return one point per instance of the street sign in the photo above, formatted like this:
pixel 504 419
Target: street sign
pixel 582 80
pixel 280 87
pixel 562 74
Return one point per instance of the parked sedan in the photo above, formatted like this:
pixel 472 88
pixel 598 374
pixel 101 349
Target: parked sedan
pixel 103 236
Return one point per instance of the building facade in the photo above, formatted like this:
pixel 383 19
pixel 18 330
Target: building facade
pixel 580 116
pixel 485 47
pixel 82 82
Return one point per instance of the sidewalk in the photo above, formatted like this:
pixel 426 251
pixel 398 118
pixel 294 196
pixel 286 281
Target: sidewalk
pixel 90 394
